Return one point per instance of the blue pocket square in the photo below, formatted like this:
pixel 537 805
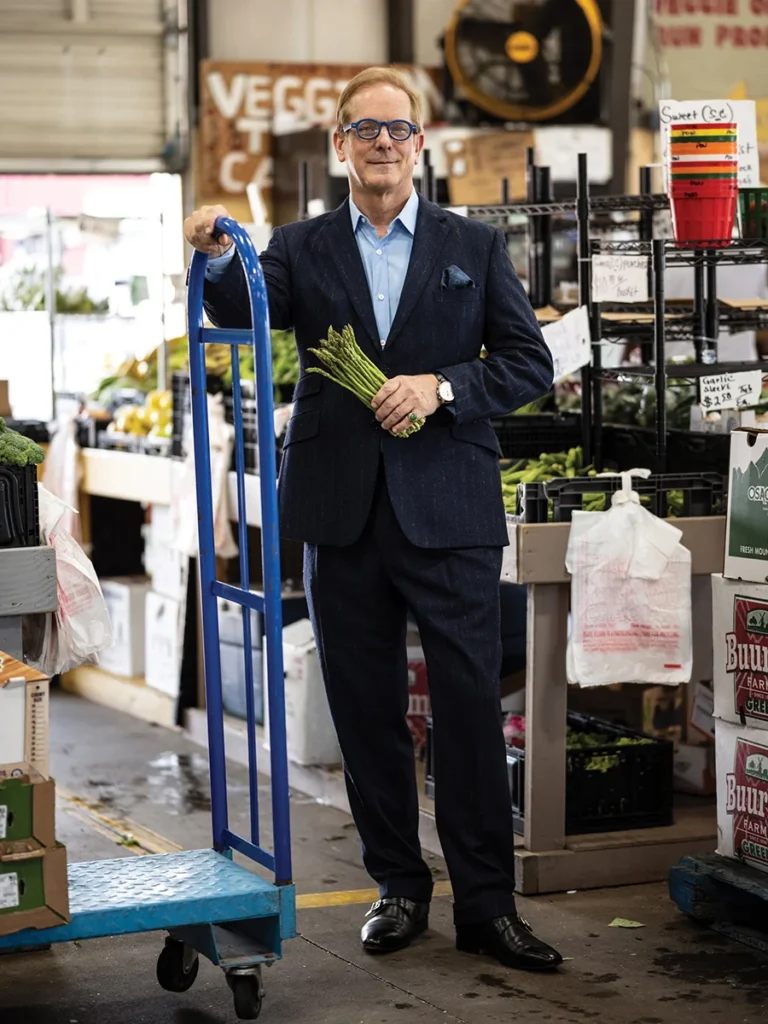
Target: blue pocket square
pixel 453 278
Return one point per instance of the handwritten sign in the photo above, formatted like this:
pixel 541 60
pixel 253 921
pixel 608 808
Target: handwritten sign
pixel 569 341
pixel 620 278
pixel 743 112
pixel 731 390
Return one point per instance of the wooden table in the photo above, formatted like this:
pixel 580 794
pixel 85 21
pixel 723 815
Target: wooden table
pixel 550 861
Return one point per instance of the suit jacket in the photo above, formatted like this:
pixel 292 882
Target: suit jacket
pixel 444 481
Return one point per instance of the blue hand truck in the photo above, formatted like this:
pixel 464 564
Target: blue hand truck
pixel 208 903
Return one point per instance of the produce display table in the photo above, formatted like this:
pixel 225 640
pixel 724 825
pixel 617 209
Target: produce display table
pixel 550 861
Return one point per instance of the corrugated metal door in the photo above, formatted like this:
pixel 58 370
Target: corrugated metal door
pixel 92 85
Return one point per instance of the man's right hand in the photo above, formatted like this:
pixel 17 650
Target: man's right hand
pixel 198 231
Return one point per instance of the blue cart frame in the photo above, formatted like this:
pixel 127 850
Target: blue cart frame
pixel 207 903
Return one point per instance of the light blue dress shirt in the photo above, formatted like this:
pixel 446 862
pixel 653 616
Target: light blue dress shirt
pixel 385 260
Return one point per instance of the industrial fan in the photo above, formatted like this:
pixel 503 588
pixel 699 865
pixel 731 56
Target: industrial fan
pixel 529 61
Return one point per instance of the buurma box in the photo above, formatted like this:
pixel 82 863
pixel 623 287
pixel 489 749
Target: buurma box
pixel 740 651
pixel 746 539
pixel 742 794
pixel 27 811
pixel 24 719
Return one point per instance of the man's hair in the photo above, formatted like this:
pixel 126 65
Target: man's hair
pixel 377 76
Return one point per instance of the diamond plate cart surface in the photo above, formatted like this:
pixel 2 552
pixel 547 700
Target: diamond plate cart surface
pixel 206 902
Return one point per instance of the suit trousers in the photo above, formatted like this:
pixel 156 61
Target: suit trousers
pixel 359 597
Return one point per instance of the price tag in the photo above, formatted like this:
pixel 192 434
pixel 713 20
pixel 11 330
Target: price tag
pixel 620 278
pixel 3 822
pixel 9 891
pixel 743 112
pixel 731 390
pixel 569 342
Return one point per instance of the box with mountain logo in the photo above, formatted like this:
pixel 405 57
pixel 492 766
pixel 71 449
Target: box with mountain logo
pixel 742 794
pixel 740 651
pixel 746 540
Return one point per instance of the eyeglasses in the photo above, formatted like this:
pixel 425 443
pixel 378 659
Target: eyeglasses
pixel 368 129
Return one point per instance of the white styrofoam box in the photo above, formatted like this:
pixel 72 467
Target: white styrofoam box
pixel 164 643
pixel 740 650
pixel 746 530
pixel 694 769
pixel 311 736
pixel 742 793
pixel 169 570
pixel 233 681
pixel 231 623
pixel 161 528
pixel 125 597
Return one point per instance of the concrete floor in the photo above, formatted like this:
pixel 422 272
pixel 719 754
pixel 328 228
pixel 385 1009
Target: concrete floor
pixel 669 972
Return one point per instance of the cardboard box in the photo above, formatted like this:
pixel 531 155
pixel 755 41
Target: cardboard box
pixel 742 793
pixel 740 651
pixel 694 769
pixel 168 569
pixel 746 536
pixel 125 598
pixel 231 623
pixel 24 719
pixel 233 681
pixel 34 891
pixel 164 638
pixel 419 704
pixel 5 402
pixel 27 811
pixel 311 736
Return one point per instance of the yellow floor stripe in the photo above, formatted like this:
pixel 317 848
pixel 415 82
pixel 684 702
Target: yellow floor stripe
pixel 126 833
pixel 142 841
pixel 317 900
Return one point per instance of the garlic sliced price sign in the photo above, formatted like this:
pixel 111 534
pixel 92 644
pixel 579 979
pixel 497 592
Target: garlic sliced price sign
pixel 569 342
pixel 620 278
pixel 731 390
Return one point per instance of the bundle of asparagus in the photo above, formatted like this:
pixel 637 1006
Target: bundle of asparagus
pixel 351 368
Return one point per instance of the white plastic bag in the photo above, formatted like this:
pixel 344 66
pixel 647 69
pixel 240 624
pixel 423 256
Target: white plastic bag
pixel 80 628
pixel 61 472
pixel 630 596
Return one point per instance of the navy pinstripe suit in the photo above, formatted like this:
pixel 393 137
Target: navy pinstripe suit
pixel 393 524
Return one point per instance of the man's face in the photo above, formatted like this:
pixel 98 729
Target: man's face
pixel 379 165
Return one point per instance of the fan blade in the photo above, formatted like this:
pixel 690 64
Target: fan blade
pixel 491 35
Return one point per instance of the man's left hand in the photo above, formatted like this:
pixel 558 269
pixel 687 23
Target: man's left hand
pixel 402 397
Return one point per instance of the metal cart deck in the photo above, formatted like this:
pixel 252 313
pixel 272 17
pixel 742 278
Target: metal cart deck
pixel 208 903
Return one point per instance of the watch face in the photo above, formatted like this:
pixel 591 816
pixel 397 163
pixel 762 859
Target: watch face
pixel 445 391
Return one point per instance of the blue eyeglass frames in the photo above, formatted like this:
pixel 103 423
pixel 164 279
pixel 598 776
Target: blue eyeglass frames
pixel 368 129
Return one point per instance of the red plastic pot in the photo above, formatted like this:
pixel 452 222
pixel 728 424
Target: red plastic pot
pixel 703 220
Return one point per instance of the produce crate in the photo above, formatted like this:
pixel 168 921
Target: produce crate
pixel 688 451
pixel 526 437
pixel 19 512
pixel 609 787
pixel 753 212
pixel 703 494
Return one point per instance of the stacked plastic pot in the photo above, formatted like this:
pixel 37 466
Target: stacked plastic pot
pixel 703 182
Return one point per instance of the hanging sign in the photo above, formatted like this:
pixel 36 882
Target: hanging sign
pixel 569 342
pixel 620 278
pixel 743 112
pixel 731 390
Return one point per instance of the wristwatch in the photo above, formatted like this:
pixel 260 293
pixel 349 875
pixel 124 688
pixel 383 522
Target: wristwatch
pixel 444 390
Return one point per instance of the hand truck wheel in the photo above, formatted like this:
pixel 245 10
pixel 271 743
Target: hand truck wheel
pixel 248 992
pixel 177 966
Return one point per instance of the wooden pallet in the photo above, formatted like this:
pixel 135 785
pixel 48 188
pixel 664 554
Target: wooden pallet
pixel 730 897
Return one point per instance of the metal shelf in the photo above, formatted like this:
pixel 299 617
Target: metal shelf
pixel 677 371
pixel 737 252
pixel 597 204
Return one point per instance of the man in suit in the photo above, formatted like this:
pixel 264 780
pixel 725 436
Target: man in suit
pixel 393 523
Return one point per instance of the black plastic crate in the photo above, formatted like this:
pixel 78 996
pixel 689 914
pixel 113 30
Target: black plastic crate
pixel 526 437
pixel 703 494
pixel 19 511
pixel 688 451
pixel 608 788
pixel 182 415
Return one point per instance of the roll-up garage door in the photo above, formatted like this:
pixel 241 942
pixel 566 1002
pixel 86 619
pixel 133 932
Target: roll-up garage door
pixel 92 85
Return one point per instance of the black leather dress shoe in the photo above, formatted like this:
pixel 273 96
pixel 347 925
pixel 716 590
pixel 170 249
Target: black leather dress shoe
pixel 511 941
pixel 393 923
